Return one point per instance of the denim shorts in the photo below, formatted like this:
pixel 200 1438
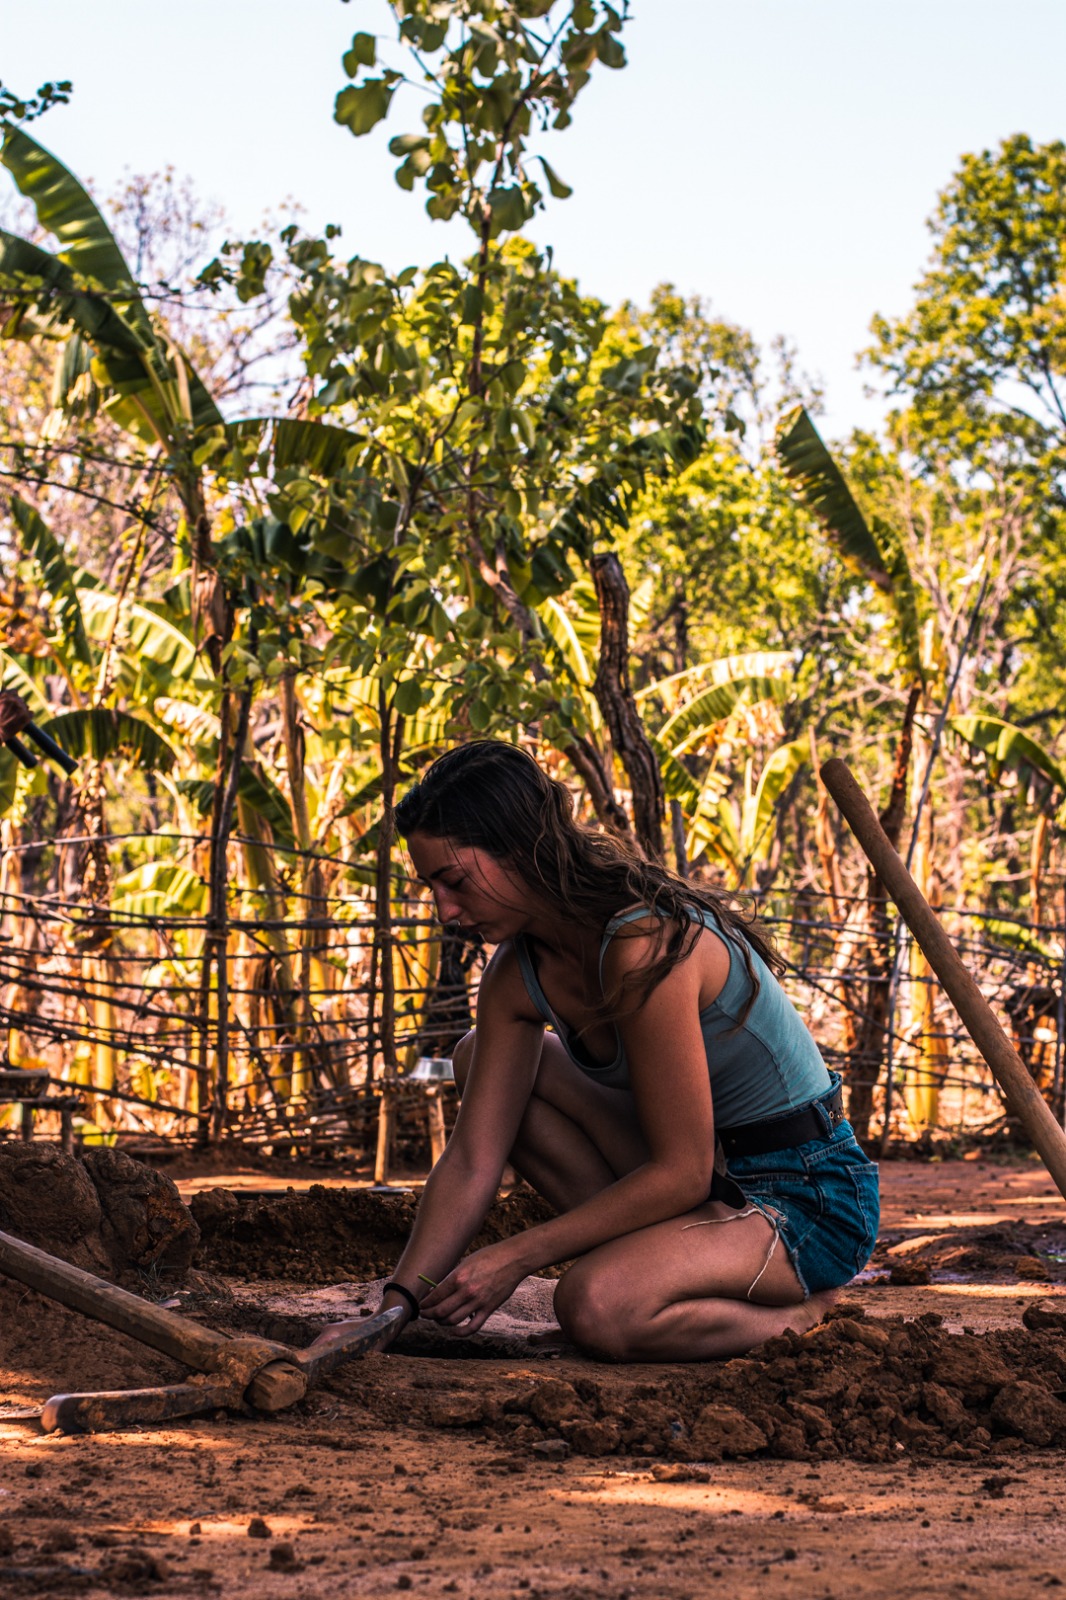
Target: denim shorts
pixel 821 1198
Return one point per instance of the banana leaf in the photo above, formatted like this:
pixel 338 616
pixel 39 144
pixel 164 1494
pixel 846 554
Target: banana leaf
pixel 678 782
pixel 13 675
pixel 66 210
pixel 133 369
pixel 149 634
pixel 1017 937
pixel 160 889
pixel 197 724
pixel 27 273
pixel 9 779
pixel 1007 748
pixel 749 664
pixel 40 542
pixel 261 794
pixel 319 448
pixel 72 368
pixel 715 826
pixel 756 828
pixel 872 548
pixel 695 720
pixel 100 734
pixel 88 249
pixel 564 633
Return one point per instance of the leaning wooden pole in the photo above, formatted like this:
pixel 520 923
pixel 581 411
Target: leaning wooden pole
pixel 1007 1067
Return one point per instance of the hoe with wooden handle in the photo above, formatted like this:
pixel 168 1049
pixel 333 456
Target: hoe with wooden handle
pixel 231 1372
pixel 1006 1065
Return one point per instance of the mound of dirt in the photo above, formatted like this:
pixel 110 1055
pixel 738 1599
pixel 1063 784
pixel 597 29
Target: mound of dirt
pixel 1032 1251
pixel 326 1235
pixel 867 1389
pixel 105 1213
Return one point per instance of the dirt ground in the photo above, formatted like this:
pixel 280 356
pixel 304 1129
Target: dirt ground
pixel 913 1444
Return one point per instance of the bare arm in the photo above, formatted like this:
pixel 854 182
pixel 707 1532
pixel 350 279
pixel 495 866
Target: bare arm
pixel 464 1182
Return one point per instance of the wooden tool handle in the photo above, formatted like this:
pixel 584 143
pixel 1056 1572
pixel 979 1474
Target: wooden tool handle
pixel 174 1335
pixel 1006 1065
pixel 110 1410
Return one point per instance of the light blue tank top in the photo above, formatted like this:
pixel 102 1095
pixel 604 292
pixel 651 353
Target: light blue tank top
pixel 764 1067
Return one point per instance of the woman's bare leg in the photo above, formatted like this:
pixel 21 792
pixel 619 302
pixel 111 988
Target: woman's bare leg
pixel 679 1291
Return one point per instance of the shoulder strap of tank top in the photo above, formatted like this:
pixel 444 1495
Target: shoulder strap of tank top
pixel 704 915
pixel 630 914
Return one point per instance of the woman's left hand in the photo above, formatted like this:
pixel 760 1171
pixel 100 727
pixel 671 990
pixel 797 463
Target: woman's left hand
pixel 471 1293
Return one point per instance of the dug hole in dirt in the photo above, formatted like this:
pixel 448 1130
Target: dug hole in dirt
pixel 865 1391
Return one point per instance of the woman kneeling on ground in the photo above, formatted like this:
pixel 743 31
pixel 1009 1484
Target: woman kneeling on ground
pixel 679 1117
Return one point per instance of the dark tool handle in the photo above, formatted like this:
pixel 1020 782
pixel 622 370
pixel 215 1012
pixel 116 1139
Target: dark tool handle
pixel 47 744
pixel 123 1408
pixel 347 1341
pixel 17 748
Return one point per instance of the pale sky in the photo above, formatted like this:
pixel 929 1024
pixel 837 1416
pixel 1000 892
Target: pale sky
pixel 776 156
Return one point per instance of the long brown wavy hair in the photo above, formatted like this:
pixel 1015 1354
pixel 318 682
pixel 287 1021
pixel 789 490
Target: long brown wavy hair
pixel 492 796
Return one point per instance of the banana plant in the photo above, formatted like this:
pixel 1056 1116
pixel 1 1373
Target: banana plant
pixel 86 296
pixel 871 547
pixel 1009 754
pixel 712 706
pixel 874 550
pixel 1008 751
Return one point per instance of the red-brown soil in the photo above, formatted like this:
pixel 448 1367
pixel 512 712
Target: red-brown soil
pixel 887 1452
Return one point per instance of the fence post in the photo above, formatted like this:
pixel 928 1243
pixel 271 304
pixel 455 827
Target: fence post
pixel 1004 1062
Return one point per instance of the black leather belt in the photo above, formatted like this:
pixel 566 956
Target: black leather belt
pixel 779 1133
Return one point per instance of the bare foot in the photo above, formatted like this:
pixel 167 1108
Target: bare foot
pixel 550 1336
pixel 813 1310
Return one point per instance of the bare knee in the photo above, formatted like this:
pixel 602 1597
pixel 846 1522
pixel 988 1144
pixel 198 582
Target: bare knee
pixel 594 1316
pixel 462 1057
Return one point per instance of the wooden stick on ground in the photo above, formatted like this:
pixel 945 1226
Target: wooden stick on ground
pixel 1007 1067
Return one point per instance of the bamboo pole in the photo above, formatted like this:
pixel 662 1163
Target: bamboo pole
pixel 1007 1067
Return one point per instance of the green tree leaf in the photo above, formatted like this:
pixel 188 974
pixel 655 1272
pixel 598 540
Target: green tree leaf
pixel 363 53
pixel 361 108
pixel 559 189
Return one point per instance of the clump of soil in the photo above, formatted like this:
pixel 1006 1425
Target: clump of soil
pixel 327 1235
pixel 1034 1251
pixel 103 1212
pixel 867 1389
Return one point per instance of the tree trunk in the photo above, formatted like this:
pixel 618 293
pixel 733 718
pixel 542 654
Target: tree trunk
pixel 212 1105
pixel 614 696
pixel 311 906
pixel 866 1060
pixel 382 1022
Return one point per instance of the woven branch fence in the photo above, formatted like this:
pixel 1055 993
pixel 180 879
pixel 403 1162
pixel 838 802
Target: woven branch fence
pixel 113 1003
